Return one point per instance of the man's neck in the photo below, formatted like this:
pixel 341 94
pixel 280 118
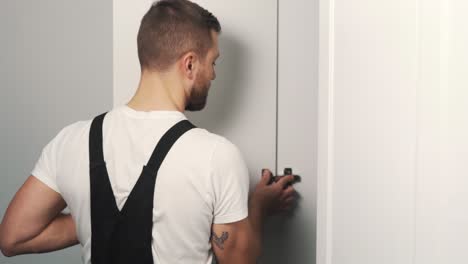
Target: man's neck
pixel 157 92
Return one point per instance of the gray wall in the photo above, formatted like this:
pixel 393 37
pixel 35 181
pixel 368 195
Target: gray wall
pixel 55 69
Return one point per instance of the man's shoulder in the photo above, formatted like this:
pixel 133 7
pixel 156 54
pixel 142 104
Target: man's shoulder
pixel 71 134
pixel 77 128
pixel 218 148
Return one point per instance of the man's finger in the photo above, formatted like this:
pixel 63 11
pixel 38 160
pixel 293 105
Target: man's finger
pixel 288 192
pixel 285 180
pixel 289 200
pixel 288 203
pixel 287 207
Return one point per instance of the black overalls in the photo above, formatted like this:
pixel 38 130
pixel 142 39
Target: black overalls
pixel 124 237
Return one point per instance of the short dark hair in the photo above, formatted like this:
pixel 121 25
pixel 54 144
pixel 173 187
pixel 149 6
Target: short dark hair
pixel 171 28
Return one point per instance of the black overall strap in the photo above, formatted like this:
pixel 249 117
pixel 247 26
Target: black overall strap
pixel 100 187
pixel 126 236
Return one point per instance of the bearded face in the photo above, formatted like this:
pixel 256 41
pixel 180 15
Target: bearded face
pixel 199 92
pixel 201 85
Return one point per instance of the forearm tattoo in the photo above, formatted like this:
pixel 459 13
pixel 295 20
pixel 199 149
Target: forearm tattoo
pixel 219 241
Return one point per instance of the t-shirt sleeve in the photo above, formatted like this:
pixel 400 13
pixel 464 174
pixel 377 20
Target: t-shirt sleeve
pixel 230 183
pixel 45 169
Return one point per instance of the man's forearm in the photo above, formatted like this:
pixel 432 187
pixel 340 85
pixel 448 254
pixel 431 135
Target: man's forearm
pixel 256 218
pixel 59 234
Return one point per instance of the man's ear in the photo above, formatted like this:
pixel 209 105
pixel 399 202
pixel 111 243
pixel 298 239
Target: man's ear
pixel 190 64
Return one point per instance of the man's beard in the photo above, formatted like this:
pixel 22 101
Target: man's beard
pixel 198 96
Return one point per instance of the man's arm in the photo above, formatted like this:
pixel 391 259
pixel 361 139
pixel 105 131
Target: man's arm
pixel 235 243
pixel 33 223
pixel 241 242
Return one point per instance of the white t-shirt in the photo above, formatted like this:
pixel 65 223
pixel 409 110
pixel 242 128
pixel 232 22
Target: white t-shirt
pixel 203 179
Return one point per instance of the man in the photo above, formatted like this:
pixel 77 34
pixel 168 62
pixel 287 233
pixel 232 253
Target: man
pixel 105 169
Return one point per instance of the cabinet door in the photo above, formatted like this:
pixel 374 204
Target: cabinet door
pixel 291 238
pixel 368 92
pixel 441 232
pixel 393 132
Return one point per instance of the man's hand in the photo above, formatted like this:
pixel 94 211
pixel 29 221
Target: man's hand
pixel 33 223
pixel 279 196
pixel 240 242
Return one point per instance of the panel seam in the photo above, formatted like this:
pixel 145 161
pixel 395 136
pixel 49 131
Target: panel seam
pixel 277 88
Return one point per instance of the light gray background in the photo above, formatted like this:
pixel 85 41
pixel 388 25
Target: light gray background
pixel 55 69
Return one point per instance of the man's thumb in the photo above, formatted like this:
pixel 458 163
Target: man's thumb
pixel 266 176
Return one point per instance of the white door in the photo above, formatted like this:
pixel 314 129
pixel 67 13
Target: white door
pixel 393 132
pixel 292 239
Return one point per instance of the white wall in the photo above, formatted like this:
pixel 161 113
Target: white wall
pixel 392 132
pixel 452 222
